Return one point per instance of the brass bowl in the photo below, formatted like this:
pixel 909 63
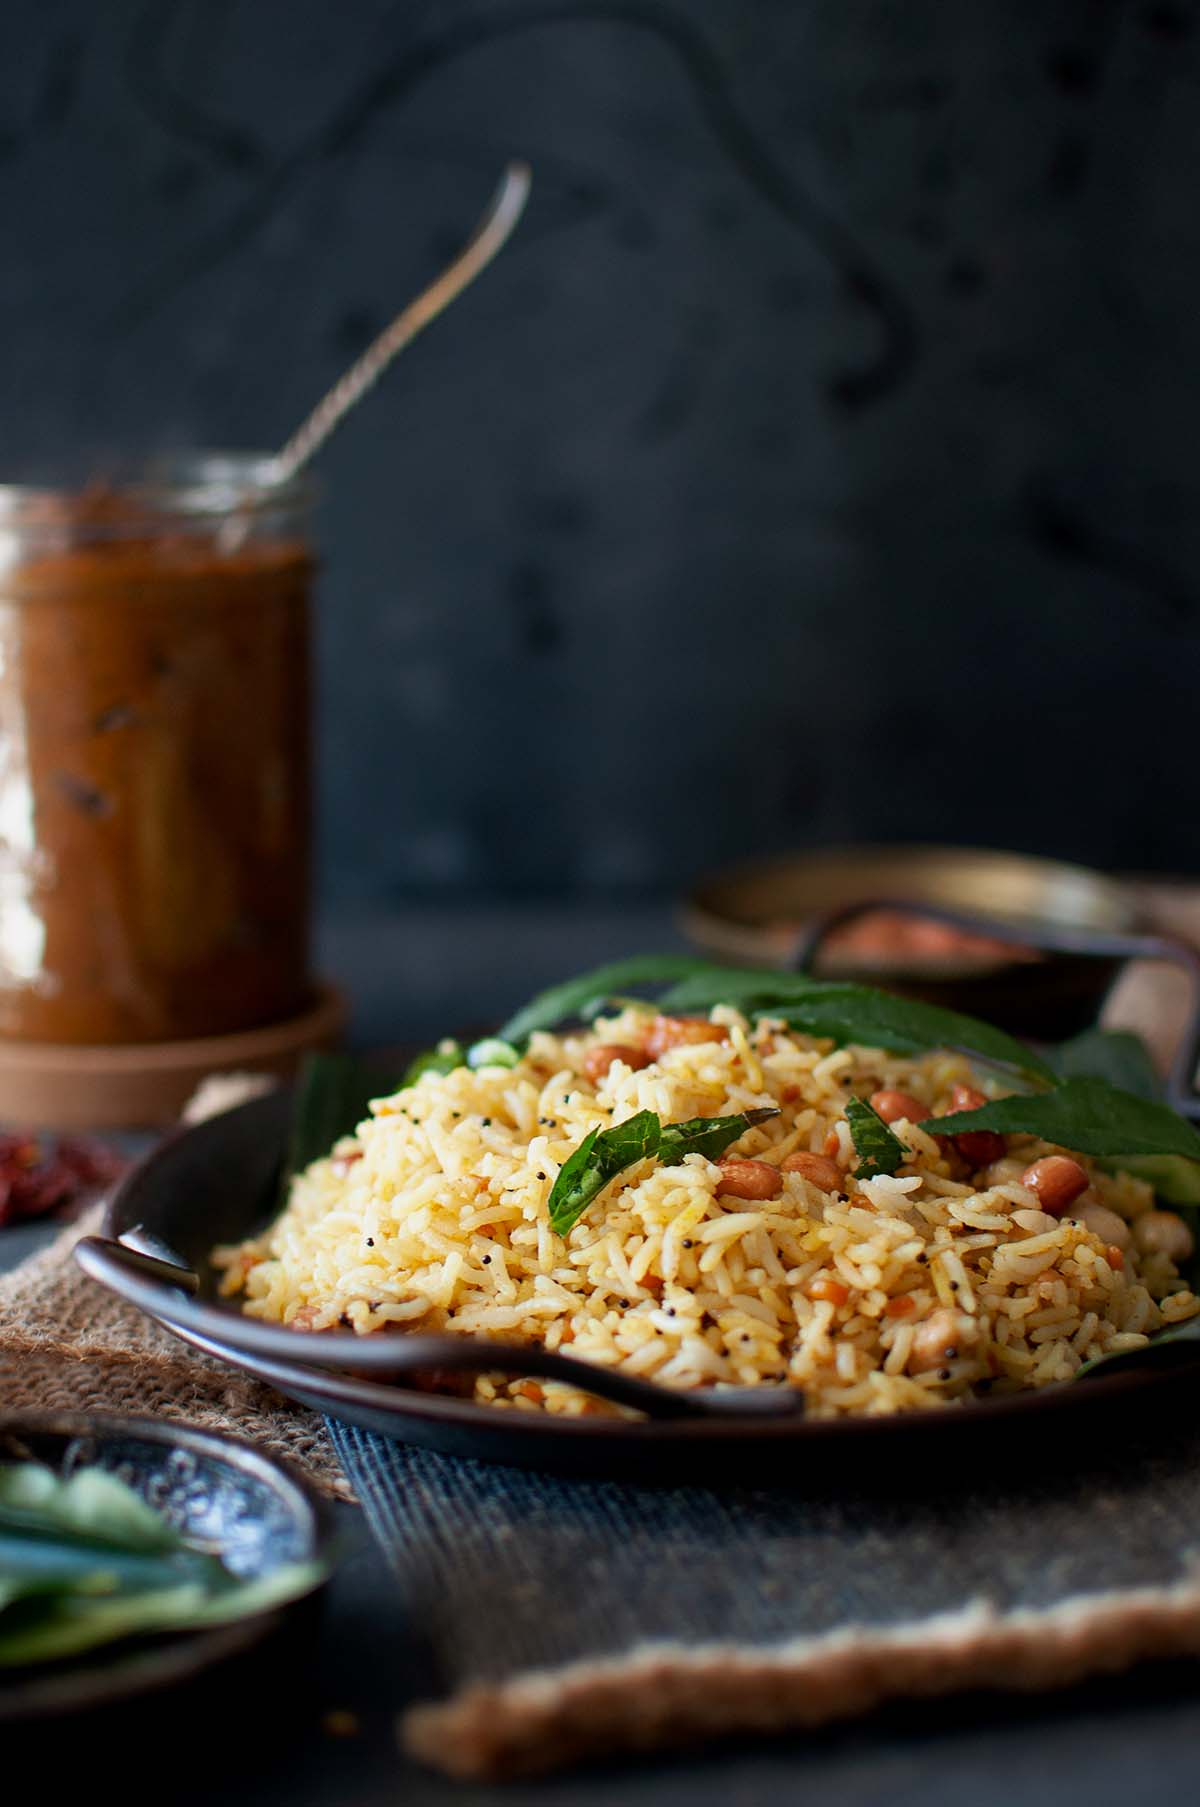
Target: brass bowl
pixel 762 914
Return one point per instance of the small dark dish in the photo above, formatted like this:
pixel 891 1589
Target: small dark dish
pixel 222 1495
pixel 218 1183
pixel 767 913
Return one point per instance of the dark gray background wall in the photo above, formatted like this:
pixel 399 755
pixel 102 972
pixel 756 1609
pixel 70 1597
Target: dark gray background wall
pixel 822 460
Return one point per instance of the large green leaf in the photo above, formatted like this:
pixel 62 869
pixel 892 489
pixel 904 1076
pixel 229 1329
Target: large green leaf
pixel 1113 1054
pixel 877 1019
pixel 1088 1114
pixel 333 1096
pixel 844 1013
pixel 747 988
pixel 574 997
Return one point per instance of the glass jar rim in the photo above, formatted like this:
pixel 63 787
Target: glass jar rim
pixel 184 486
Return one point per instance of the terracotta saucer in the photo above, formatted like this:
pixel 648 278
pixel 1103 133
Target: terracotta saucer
pixel 50 1085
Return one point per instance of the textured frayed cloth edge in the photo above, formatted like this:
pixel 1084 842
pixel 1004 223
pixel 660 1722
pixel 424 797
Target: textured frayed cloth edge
pixel 67 1345
pixel 666 1695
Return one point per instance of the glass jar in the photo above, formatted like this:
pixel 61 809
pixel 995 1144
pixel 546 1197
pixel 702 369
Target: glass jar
pixel 154 754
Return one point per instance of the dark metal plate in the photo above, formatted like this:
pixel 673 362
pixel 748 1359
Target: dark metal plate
pixel 217 1183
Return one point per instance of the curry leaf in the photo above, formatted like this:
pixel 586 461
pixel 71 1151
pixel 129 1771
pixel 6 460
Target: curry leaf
pixel 709 1136
pixel 41 1560
pixel 1169 1345
pixel 878 1148
pixel 747 988
pixel 877 1019
pixel 575 997
pixel 46 1628
pixel 91 1504
pixel 333 1096
pixel 85 1561
pixel 1172 1176
pixel 605 1153
pixel 600 1157
pixel 1083 1113
pixel 852 1013
pixel 1113 1054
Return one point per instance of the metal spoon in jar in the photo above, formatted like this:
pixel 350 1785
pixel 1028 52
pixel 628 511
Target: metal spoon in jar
pixel 492 232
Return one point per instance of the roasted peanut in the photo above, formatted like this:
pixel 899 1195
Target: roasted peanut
pixel 1006 1172
pixel 1163 1233
pixel 817 1169
pixel 979 1147
pixel 599 1059
pixel 892 1105
pixel 935 1342
pixel 677 1031
pixel 1102 1222
pixel 1057 1180
pixel 749 1179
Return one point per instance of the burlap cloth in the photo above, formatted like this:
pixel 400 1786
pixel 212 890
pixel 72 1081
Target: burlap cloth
pixel 66 1344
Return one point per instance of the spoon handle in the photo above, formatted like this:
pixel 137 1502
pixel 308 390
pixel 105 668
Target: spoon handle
pixel 494 228
pixel 134 1261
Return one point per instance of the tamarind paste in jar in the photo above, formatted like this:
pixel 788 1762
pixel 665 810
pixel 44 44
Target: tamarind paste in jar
pixel 154 757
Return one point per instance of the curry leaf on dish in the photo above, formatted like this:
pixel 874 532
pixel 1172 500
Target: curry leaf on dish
pixel 709 1136
pixel 44 1628
pixel 600 1157
pixel 90 1504
pixel 84 1560
pixel 575 997
pixel 878 1148
pixel 38 1560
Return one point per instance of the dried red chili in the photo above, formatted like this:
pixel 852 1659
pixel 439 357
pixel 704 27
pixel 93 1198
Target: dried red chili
pixel 38 1177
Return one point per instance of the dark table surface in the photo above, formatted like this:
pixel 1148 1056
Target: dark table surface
pixel 411 975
